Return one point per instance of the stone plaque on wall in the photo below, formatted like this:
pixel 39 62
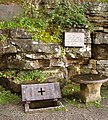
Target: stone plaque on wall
pixel 74 39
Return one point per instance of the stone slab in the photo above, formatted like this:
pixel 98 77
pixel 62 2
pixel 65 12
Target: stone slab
pixel 74 39
pixel 45 91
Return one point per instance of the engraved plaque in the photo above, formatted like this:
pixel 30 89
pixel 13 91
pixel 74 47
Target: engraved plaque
pixel 74 39
pixel 46 91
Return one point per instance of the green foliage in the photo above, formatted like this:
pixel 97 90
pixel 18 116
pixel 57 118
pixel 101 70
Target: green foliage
pixel 67 16
pixel 70 92
pixel 70 89
pixel 19 76
pixel 97 104
pixel 30 75
pixel 104 91
pixel 102 1
pixel 48 25
pixel 7 97
pixel 3 37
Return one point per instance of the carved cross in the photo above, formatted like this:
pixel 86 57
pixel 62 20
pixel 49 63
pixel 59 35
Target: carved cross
pixel 41 91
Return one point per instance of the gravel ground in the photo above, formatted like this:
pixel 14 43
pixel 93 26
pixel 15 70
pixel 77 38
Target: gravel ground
pixel 16 112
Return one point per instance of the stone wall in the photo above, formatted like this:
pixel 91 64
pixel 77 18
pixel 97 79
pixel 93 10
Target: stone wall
pixel 98 16
pixel 21 52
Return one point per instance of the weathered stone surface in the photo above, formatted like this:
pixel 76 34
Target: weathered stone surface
pixel 97 14
pixel 102 67
pixel 22 45
pixel 92 64
pixel 84 69
pixel 17 62
pixel 90 92
pixel 3 64
pixel 6 48
pixel 57 62
pixel 98 6
pixel 100 51
pixel 55 74
pixel 100 38
pixel 94 71
pixel 73 70
pixel 13 62
pixel 47 48
pixel 35 56
pixel 84 52
pixel 90 86
pixel 70 61
pixel 27 45
pixel 7 12
pixel 102 62
pixel 5 32
pixel 20 33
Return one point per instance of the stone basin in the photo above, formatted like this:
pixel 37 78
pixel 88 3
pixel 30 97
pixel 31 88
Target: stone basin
pixel 90 78
pixel 90 86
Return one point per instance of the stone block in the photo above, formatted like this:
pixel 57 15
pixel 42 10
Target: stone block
pixel 102 67
pixel 17 61
pixel 90 92
pixel 2 47
pixel 94 71
pixel 31 64
pixel 84 69
pixel 30 46
pixel 100 38
pixel 70 61
pixel 84 52
pixel 57 62
pixel 102 62
pixel 6 48
pixel 98 6
pixel 35 56
pixel 100 52
pixel 20 33
pixel 73 70
pixel 92 64
pixel 3 63
pixel 22 45
pixel 47 48
pixel 54 74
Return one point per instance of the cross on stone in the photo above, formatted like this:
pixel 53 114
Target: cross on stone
pixel 41 91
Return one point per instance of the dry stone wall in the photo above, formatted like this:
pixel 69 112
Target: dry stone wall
pixel 98 15
pixel 21 52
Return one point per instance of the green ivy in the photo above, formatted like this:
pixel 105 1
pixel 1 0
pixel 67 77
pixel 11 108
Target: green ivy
pixel 48 25
pixel 67 16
